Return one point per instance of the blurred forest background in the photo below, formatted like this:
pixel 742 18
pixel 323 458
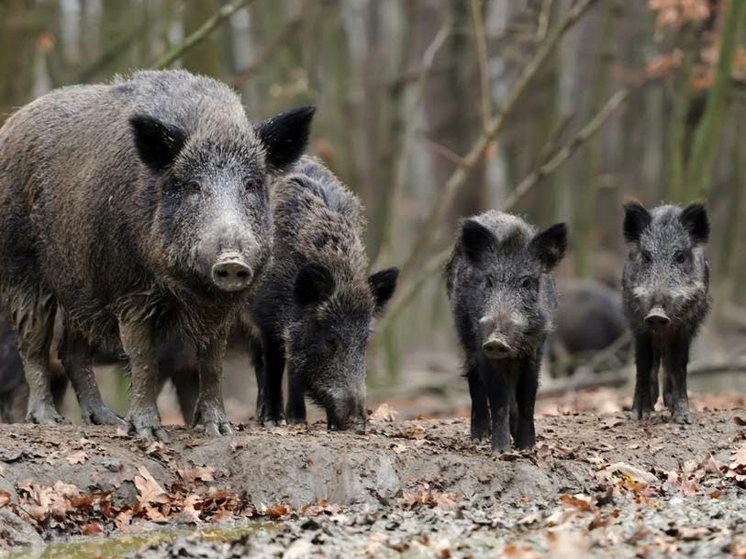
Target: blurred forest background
pixel 436 109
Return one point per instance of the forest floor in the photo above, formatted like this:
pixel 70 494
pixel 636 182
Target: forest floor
pixel 596 485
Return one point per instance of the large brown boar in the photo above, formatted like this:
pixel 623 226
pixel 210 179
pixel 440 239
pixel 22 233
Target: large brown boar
pixel 140 208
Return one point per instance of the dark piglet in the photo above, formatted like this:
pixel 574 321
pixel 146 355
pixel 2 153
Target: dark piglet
pixel 140 208
pixel 314 309
pixel 666 298
pixel 503 298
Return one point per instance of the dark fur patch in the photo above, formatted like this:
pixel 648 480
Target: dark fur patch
pixel 694 219
pixel 636 220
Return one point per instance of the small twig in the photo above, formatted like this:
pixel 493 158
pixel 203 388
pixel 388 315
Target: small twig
pixel 288 33
pixel 543 23
pixel 481 43
pixel 441 206
pixel 442 150
pixel 564 154
pixel 217 19
pixel 554 137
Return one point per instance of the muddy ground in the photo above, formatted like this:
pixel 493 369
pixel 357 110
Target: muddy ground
pixel 595 485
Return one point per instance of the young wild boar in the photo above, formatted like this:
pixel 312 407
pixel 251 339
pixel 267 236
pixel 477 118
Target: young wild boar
pixel 503 298
pixel 315 307
pixel 665 284
pixel 141 209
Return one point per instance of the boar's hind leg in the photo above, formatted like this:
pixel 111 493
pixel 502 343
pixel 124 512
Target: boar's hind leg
pixel 527 385
pixel 143 419
pixel 677 359
pixel 76 355
pixel 34 323
pixel 480 413
pixel 644 361
pixel 210 410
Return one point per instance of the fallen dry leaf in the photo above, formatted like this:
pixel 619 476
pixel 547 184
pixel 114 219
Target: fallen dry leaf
pixel 79 457
pixel 202 474
pixel 5 498
pixel 635 474
pixel 148 488
pixel 384 413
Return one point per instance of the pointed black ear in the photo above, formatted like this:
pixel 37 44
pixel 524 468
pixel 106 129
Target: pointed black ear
pixel 549 246
pixel 694 219
pixel 285 136
pixel 476 240
pixel 383 284
pixel 157 143
pixel 314 284
pixel 636 220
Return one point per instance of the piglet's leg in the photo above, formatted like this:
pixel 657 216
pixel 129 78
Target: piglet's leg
pixel 210 410
pixel 143 419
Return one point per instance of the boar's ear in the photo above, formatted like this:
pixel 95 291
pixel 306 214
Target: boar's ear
pixel 285 136
pixel 636 220
pixel 383 284
pixel 314 284
pixel 476 240
pixel 549 246
pixel 694 219
pixel 157 143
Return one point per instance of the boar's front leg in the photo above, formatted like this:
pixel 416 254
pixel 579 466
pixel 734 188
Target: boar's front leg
pixel 480 413
pixel 296 406
pixel 76 355
pixel 34 322
pixel 644 361
pixel 210 410
pixel 143 419
pixel 526 388
pixel 270 410
pixel 675 395
pixel 498 393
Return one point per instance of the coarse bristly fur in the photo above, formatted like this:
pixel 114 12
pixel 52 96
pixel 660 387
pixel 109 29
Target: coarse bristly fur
pixel 503 298
pixel 315 307
pixel 119 203
pixel 666 298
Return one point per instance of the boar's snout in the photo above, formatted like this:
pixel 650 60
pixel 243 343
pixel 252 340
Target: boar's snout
pixel 657 318
pixel 347 413
pixel 497 348
pixel 231 273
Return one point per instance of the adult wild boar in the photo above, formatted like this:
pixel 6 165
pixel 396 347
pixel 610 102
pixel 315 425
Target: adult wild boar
pixel 503 298
pixel 315 307
pixel 141 209
pixel 666 297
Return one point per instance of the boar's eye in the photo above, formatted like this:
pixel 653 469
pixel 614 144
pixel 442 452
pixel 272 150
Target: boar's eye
pixel 252 185
pixel 529 283
pixel 192 187
pixel 646 257
pixel 332 343
pixel 680 256
pixel 489 282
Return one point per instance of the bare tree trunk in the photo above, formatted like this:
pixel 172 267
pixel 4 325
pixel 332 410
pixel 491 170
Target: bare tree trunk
pixel 17 58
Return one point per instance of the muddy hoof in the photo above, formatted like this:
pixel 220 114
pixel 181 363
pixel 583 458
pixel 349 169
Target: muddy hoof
pixel 212 418
pixel 682 417
pixel 147 428
pixel 272 421
pixel 101 415
pixel 480 433
pixel 44 415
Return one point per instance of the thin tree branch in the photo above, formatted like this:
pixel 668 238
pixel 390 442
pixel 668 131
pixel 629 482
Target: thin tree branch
pixel 288 33
pixel 553 163
pixel 217 19
pixel 442 150
pixel 437 213
pixel 481 43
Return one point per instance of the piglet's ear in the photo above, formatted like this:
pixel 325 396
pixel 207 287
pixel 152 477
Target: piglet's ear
pixel 477 241
pixel 694 219
pixel 314 284
pixel 285 137
pixel 549 246
pixel 157 143
pixel 636 220
pixel 383 284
